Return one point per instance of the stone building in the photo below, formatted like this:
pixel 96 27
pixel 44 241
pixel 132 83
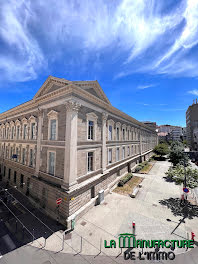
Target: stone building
pixel 192 125
pixel 69 142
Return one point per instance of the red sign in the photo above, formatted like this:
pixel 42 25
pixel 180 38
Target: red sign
pixel 58 201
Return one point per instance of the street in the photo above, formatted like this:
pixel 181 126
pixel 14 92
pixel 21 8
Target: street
pixel 154 204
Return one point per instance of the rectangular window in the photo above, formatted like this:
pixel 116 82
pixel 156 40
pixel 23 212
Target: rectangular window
pixel 123 153
pixel 117 154
pixel 51 163
pixel 110 156
pixel 22 181
pixel 4 171
pixel 7 132
pixel 31 157
pixel 9 173
pixel 110 133
pixel 90 161
pixel 23 156
pixel 12 133
pixel 18 132
pixel 53 129
pixel 123 134
pixel 117 133
pixel 131 150
pixel 90 130
pixel 15 175
pixel 33 131
pixel 128 151
pixel 24 131
pixel 128 135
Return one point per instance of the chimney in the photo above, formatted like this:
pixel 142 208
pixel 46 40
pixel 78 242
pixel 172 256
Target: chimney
pixel 196 100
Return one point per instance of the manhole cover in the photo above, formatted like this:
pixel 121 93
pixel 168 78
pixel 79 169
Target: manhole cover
pixel 155 205
pixel 83 223
pixel 90 234
pixel 105 203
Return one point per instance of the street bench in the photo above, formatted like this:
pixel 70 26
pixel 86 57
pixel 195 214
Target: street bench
pixel 134 193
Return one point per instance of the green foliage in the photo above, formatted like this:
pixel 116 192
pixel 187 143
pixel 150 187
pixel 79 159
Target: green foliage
pixel 161 149
pixel 177 174
pixel 177 155
pixel 125 179
pixel 141 166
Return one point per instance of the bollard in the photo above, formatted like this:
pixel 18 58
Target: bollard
pixel 192 235
pixel 133 227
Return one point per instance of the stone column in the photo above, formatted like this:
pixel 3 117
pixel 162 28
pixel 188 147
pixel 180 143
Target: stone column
pixel 104 149
pixel 39 137
pixel 70 161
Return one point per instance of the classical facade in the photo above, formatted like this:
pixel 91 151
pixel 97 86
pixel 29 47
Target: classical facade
pixel 69 142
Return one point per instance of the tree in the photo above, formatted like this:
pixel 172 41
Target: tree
pixel 161 149
pixel 177 174
pixel 177 154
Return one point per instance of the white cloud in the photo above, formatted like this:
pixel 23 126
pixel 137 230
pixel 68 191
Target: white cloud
pixel 142 87
pixel 24 56
pixel 194 92
pixel 31 29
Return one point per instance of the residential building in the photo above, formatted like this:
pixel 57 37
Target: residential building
pixel 176 134
pixel 69 142
pixel 192 125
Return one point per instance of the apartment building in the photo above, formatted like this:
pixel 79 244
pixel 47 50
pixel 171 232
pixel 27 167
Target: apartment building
pixel 178 134
pixel 69 142
pixel 192 125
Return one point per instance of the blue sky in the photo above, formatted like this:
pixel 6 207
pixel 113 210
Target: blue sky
pixel 143 52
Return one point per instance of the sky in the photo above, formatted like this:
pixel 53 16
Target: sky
pixel 144 53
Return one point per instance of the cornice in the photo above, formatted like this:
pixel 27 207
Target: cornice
pixel 65 90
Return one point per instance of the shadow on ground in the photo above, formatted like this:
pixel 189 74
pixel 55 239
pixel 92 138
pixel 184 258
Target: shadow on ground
pixel 18 226
pixel 187 211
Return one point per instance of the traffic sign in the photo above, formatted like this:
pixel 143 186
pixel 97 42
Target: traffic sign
pixel 58 201
pixel 186 190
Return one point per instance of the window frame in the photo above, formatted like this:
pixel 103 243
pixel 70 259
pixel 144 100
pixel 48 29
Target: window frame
pixel 52 115
pixel 48 162
pixel 94 118
pixel 110 150
pixel 90 171
pixel 117 154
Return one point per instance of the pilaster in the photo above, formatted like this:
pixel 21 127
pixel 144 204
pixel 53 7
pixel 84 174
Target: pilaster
pixel 104 148
pixel 70 161
pixel 39 137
